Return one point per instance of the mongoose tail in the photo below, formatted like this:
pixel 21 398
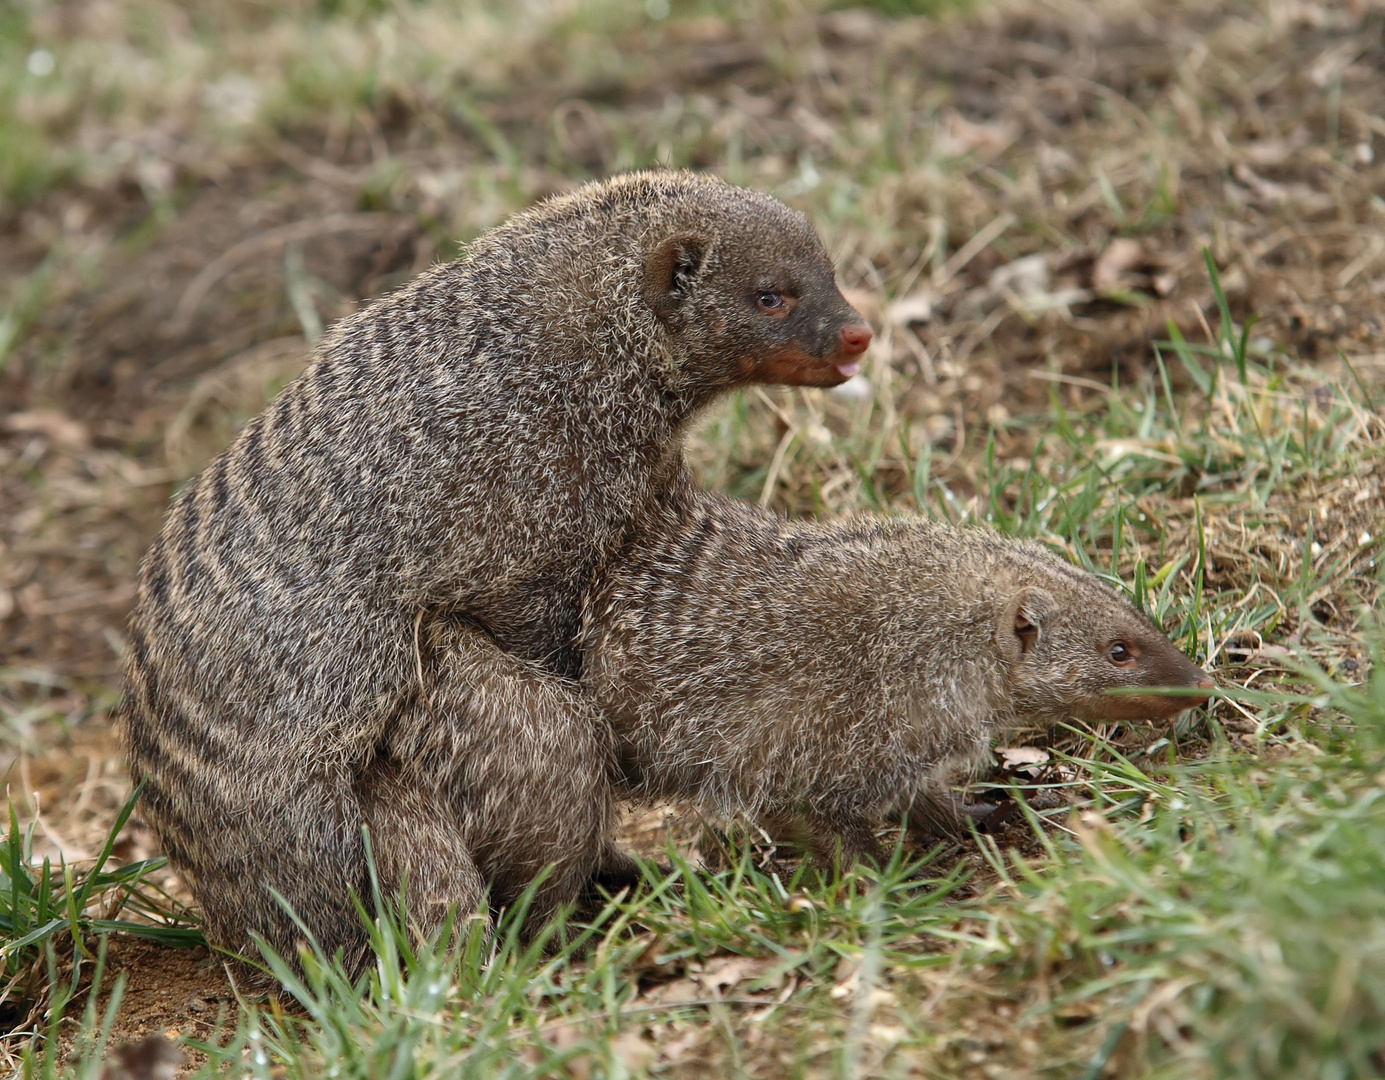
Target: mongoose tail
pixel 827 679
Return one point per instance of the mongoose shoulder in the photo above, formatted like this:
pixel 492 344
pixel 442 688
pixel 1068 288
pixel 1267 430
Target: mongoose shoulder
pixel 834 674
pixel 364 610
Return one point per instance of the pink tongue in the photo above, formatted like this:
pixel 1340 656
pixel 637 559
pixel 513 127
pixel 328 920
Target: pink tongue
pixel 850 369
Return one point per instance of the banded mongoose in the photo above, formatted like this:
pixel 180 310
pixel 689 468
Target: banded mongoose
pixel 827 678
pixel 364 611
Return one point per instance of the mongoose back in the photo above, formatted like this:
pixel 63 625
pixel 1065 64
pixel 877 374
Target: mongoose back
pixel 829 676
pixel 363 612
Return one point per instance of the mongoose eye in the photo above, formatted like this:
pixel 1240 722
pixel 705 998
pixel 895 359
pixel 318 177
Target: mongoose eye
pixel 1120 653
pixel 770 301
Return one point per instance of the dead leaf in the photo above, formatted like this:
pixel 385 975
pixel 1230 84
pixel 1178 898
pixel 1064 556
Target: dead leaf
pixel 958 136
pixel 1267 193
pixel 865 302
pixel 1164 284
pixel 683 1047
pixel 1025 277
pixel 724 974
pixel 1120 257
pixel 566 1037
pixel 1024 284
pixel 633 1050
pixel 847 979
pixel 677 992
pixel 855 26
pixel 1267 153
pixel 1015 757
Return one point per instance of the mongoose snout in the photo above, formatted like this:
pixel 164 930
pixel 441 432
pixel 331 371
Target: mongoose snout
pixel 855 340
pixel 1154 664
pixel 825 677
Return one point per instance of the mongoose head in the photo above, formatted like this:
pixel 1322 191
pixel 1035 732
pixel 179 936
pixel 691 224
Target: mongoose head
pixel 1069 641
pixel 745 287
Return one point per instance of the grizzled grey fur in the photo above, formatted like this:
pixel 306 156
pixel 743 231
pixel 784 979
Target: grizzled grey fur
pixel 364 611
pixel 825 678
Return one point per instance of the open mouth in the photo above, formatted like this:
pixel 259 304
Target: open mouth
pixel 850 368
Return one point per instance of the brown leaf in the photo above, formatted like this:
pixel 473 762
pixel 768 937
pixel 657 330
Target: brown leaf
pixel 958 136
pixel 1120 257
pixel 1263 153
pixel 684 1046
pixel 1014 757
pixel 865 302
pixel 677 992
pixel 633 1050
pixel 917 307
pixel 565 1037
pixel 726 973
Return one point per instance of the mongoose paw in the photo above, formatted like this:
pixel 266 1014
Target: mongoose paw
pixel 988 817
pixel 618 870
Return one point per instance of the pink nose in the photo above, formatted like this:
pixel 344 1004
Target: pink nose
pixel 855 338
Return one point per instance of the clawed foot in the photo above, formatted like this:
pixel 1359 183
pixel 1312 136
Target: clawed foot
pixel 615 871
pixel 949 818
pixel 988 817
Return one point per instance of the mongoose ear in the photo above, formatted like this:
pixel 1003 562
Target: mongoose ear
pixel 669 272
pixel 1022 624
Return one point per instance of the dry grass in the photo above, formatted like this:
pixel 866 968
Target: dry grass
pixel 1019 197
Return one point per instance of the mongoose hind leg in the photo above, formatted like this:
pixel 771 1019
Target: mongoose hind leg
pixel 936 815
pixel 520 756
pixel 308 849
pixel 843 840
pixel 839 840
pixel 419 849
pixel 616 870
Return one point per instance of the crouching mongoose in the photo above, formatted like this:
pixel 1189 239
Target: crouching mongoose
pixel 364 611
pixel 831 677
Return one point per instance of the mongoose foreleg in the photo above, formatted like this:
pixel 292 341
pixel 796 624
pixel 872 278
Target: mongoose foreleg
pixel 936 814
pixel 419 849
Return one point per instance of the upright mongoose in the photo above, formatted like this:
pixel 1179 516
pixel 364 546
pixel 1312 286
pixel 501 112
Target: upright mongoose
pixel 364 611
pixel 831 676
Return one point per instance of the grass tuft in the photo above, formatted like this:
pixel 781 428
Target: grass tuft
pixel 43 907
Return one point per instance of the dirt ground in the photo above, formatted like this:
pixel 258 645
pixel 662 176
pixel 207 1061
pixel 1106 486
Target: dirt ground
pixel 182 323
